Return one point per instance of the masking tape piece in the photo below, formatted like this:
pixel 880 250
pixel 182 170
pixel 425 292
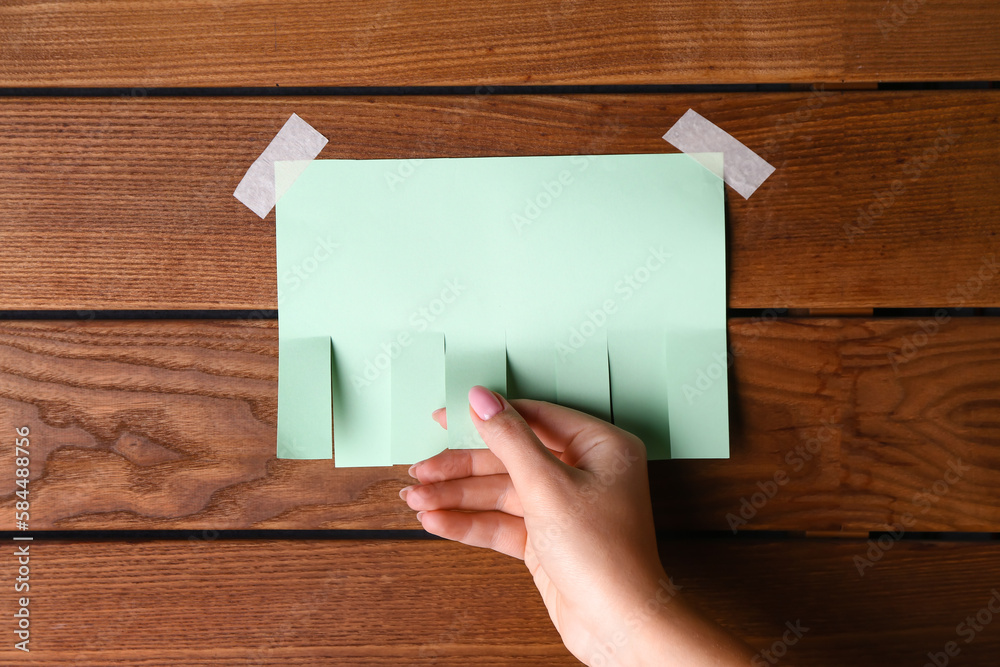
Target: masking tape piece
pixel 745 171
pixel 469 362
pixel 582 380
pixel 296 141
pixel 416 377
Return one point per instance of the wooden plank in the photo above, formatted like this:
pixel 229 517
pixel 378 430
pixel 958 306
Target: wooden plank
pixel 168 425
pixel 905 605
pixel 389 42
pixel 422 603
pixel 280 601
pixel 127 203
pixel 872 424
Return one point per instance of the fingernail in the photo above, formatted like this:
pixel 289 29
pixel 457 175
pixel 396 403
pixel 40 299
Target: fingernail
pixel 404 491
pixel 420 516
pixel 437 412
pixel 484 402
pixel 412 471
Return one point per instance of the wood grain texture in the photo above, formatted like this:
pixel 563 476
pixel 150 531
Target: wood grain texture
pixel 171 425
pixel 127 203
pixel 875 424
pixel 403 42
pixel 439 603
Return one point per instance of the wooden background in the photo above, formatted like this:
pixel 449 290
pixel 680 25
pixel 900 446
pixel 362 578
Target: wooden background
pixel 126 125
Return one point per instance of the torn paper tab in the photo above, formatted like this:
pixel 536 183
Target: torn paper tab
pixel 297 141
pixel 744 169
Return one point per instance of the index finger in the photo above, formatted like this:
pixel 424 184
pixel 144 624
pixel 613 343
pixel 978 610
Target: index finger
pixel 455 464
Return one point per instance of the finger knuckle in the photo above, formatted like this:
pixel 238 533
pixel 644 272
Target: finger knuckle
pixel 468 533
pixel 419 495
pixel 501 502
pixel 635 446
pixel 452 463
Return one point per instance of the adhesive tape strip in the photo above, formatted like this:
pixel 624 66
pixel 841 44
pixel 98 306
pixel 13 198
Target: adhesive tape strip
pixel 298 141
pixel 744 169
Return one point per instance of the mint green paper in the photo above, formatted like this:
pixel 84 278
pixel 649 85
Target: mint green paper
pixel 531 371
pixel 639 388
pixel 540 249
pixel 698 394
pixel 470 362
pixel 417 387
pixel 582 381
pixel 306 403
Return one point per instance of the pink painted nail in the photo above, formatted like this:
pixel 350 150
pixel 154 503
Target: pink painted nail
pixel 483 402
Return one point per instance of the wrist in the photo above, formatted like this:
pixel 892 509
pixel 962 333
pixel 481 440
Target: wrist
pixel 641 635
pixel 666 630
pixel 652 626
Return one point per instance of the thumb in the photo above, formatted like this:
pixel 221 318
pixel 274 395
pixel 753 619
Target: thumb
pixel 529 462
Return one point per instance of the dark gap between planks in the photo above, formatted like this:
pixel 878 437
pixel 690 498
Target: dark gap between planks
pixel 262 314
pixel 209 535
pixel 482 89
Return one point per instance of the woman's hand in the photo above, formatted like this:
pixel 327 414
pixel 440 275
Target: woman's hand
pixel 568 493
